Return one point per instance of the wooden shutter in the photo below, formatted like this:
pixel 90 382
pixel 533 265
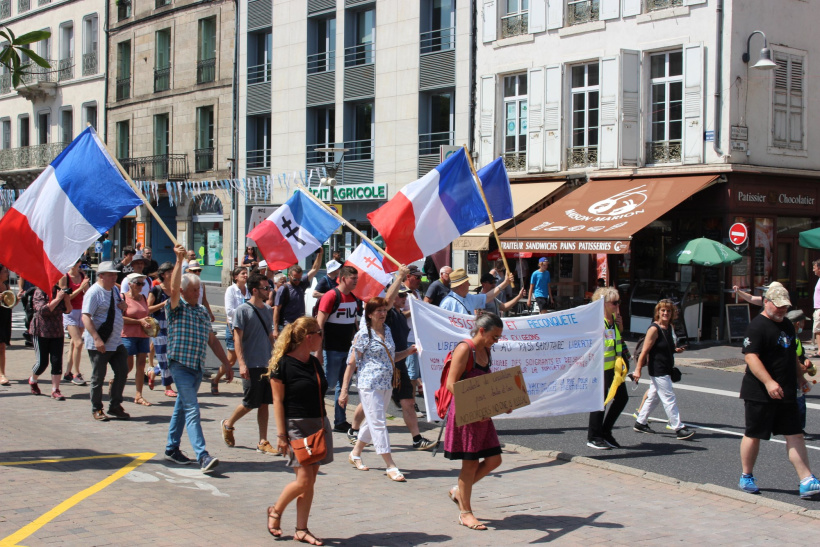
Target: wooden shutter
pixel 555 14
pixel 608 139
pixel 490 24
pixel 537 18
pixel 610 9
pixel 486 124
pixel 788 101
pixel 693 103
pixel 552 119
pixel 535 119
pixel 630 107
pixel 693 2
pixel 631 8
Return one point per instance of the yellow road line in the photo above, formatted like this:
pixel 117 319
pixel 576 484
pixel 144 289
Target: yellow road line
pixel 44 519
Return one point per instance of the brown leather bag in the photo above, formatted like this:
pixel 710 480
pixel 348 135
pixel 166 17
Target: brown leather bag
pixel 312 448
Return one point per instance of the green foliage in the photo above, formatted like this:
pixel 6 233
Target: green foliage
pixel 17 45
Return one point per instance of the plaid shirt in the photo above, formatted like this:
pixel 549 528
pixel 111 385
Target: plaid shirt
pixel 189 328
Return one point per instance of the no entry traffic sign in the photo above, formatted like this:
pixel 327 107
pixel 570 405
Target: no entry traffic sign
pixel 738 233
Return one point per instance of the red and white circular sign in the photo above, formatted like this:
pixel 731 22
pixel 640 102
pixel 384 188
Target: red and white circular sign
pixel 738 233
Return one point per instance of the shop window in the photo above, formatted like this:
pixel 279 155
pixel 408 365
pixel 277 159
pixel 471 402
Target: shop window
pixel 207 236
pixel 763 251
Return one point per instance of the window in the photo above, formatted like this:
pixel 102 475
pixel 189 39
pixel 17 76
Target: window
pixel 204 139
pixel 585 101
pixel 123 140
pixel 440 30
pixel 6 137
pixel 259 132
pixel 515 21
pixel 23 6
pixel 788 102
pixel 437 117
pixel 360 131
pixel 655 5
pixel 666 73
pixel 91 45
pixel 66 125
pixel 5 9
pixel 260 51
pixel 582 11
pixel 515 122
pixel 323 56
pixel 5 74
pixel 161 3
pixel 206 56
pixel 123 9
pixel 123 70
pixel 162 131
pixel 90 115
pixel 65 66
pixel 24 131
pixel 43 126
pixel 361 51
pixel 321 133
pixel 162 60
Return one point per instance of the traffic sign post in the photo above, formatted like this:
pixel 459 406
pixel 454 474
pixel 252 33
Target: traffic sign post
pixel 738 233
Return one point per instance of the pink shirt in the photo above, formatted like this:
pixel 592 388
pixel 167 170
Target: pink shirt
pixel 137 309
pixel 817 295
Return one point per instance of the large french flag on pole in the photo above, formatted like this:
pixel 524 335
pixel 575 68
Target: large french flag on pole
pixel 372 275
pixel 430 213
pixel 293 231
pixel 496 186
pixel 79 196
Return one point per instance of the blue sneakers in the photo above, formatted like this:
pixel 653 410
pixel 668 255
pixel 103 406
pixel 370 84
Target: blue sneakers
pixel 208 463
pixel 748 484
pixel 809 487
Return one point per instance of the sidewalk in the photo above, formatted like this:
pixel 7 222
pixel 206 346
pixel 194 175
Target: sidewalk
pixel 534 496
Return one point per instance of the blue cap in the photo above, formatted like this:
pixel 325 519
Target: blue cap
pixel 543 259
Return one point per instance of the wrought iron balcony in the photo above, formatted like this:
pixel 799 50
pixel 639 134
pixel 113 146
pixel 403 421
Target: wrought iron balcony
pixel 23 5
pixel 663 152
pixel 437 40
pixel 123 9
pixel 258 159
pixel 65 69
pixel 29 157
pixel 5 83
pixel 429 143
pixel 162 79
pixel 582 156
pixel 359 150
pixel 655 5
pixel 43 2
pixel 5 9
pixel 90 63
pixel 321 62
pixel 515 161
pixel 123 88
pixel 205 71
pixel 361 54
pixel 34 74
pixel 582 11
pixel 163 167
pixel 203 159
pixel 259 74
pixel 513 25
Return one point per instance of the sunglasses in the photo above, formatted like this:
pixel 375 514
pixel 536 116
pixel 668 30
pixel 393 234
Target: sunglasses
pixel 138 283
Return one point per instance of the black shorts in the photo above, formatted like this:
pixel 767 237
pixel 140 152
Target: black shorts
pixel 256 391
pixel 543 303
pixel 766 419
pixel 405 389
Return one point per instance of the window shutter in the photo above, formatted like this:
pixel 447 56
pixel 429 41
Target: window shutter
pixel 630 107
pixel 486 125
pixel 490 24
pixel 552 119
pixel 632 7
pixel 796 102
pixel 608 140
pixel 537 17
pixel 555 14
pixel 535 120
pixel 693 103
pixel 693 2
pixel 780 101
pixel 610 9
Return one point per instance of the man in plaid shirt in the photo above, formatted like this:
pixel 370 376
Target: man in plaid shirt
pixel 189 331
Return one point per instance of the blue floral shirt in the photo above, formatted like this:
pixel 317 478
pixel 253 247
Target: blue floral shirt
pixel 375 369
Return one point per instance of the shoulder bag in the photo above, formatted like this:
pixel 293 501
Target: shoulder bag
pixel 313 448
pixel 396 383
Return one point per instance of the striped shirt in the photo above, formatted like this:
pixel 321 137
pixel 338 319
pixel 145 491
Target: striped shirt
pixel 189 328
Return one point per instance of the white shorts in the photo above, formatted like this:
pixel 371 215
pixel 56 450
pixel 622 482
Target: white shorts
pixel 73 319
pixel 816 319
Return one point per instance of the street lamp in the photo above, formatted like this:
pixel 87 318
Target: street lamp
pixel 331 167
pixel 765 62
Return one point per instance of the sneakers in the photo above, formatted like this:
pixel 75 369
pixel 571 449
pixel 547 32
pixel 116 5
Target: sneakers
pixel 809 487
pixel 352 435
pixel 643 428
pixel 78 380
pixel 177 456
pixel 208 463
pixel 227 433
pixel 598 444
pixel 419 413
pixel 684 433
pixel 67 377
pixel 610 440
pixel 56 395
pixel 342 427
pixel 748 484
pixel 265 448
pixel 424 444
pixel 35 389
pixel 99 415
pixel 119 413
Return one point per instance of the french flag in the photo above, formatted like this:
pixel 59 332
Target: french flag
pixel 496 186
pixel 293 231
pixel 430 213
pixel 372 275
pixel 78 197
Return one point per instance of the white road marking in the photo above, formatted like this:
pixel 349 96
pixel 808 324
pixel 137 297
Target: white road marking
pixel 713 391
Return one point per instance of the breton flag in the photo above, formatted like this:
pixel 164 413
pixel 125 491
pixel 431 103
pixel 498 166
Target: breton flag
pixel 78 197
pixel 293 231
pixel 430 213
pixel 372 277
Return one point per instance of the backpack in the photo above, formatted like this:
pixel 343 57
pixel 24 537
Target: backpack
pixel 336 302
pixel 443 395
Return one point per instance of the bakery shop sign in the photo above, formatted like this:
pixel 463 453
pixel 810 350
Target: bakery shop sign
pixel 774 198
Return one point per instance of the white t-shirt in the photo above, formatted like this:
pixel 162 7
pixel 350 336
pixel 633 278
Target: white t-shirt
pixel 145 288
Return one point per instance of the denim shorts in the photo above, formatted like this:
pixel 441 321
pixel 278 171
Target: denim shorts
pixel 135 345
pixel 229 338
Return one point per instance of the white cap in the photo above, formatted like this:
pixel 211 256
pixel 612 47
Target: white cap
pixel 332 266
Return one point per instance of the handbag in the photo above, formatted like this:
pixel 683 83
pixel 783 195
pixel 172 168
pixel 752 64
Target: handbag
pixel 396 382
pixel 313 448
pixel 106 328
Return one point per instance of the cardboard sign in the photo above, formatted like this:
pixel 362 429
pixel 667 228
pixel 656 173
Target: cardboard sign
pixel 489 395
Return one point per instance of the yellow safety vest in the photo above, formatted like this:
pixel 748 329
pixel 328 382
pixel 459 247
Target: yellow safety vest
pixel 612 347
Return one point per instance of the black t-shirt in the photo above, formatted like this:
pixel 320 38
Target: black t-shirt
pixel 302 397
pixel 661 355
pixel 775 344
pixel 295 301
pixel 398 328
pixel 325 284
pixel 437 291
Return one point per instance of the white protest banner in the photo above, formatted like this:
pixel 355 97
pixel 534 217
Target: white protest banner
pixel 561 355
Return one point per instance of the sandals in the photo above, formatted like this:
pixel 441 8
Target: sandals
pixel 214 387
pixel 277 522
pixel 357 463
pixel 478 526
pixel 305 535
pixel 170 393
pixel 140 401
pixel 227 433
pixel 4 381
pixel 151 379
pixel 452 494
pixel 394 474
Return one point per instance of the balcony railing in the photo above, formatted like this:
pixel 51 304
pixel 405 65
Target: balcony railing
pixel 43 2
pixel 259 74
pixel 123 88
pixel 361 54
pixel 23 5
pixel 321 157
pixel 582 11
pixel 582 156
pixel 65 69
pixel 437 40
pixel 359 150
pixel 5 83
pixel 258 159
pixel 5 9
pixel 163 167
pixel 429 143
pixel 123 9
pixel 34 74
pixel 27 157
pixel 655 5
pixel 663 152
pixel 515 161
pixel 205 71
pixel 89 63
pixel 513 25
pixel 321 62
pixel 203 159
pixel 162 79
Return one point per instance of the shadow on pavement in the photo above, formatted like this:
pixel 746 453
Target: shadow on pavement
pixel 537 431
pixel 115 462
pixel 394 538
pixel 644 450
pixel 556 526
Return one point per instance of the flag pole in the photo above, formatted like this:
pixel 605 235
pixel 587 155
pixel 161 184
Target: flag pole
pixel 489 213
pixel 344 221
